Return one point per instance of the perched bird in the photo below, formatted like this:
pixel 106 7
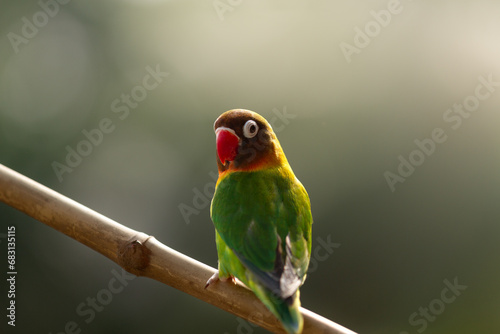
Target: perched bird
pixel 262 215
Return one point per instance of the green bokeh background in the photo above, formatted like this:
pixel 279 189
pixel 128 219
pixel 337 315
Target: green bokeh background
pixel 349 123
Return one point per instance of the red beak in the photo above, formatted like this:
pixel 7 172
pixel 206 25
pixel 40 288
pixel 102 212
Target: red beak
pixel 227 144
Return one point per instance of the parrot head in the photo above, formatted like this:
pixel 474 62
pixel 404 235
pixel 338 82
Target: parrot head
pixel 246 141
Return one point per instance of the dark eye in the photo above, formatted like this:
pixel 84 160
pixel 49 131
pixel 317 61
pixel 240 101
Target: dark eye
pixel 250 129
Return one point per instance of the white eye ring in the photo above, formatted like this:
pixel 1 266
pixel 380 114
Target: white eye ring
pixel 250 129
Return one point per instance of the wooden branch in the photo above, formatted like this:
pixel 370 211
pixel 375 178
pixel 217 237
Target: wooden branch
pixel 141 254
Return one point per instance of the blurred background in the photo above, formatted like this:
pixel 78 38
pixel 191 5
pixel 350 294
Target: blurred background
pixel 112 104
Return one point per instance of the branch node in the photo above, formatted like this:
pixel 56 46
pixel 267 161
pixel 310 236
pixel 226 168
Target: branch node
pixel 134 256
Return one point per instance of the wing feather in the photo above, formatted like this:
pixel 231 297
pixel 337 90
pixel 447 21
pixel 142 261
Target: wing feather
pixel 264 217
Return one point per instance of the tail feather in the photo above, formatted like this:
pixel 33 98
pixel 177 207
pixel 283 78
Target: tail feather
pixel 289 314
pixel 286 310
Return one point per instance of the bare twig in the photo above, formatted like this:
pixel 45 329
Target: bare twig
pixel 141 254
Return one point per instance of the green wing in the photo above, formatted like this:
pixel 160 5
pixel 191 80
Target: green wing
pixel 264 217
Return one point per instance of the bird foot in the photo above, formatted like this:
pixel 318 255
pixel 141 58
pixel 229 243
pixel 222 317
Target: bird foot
pixel 215 277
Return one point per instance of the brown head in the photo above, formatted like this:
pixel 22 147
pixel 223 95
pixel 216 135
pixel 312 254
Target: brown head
pixel 246 141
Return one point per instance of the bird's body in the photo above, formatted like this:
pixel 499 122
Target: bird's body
pixel 261 214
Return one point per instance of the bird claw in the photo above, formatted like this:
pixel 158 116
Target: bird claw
pixel 215 277
pixel 231 279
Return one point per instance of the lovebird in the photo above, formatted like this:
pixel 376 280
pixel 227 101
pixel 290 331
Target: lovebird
pixel 262 215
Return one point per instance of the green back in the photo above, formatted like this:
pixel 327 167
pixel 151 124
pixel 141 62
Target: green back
pixel 265 218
